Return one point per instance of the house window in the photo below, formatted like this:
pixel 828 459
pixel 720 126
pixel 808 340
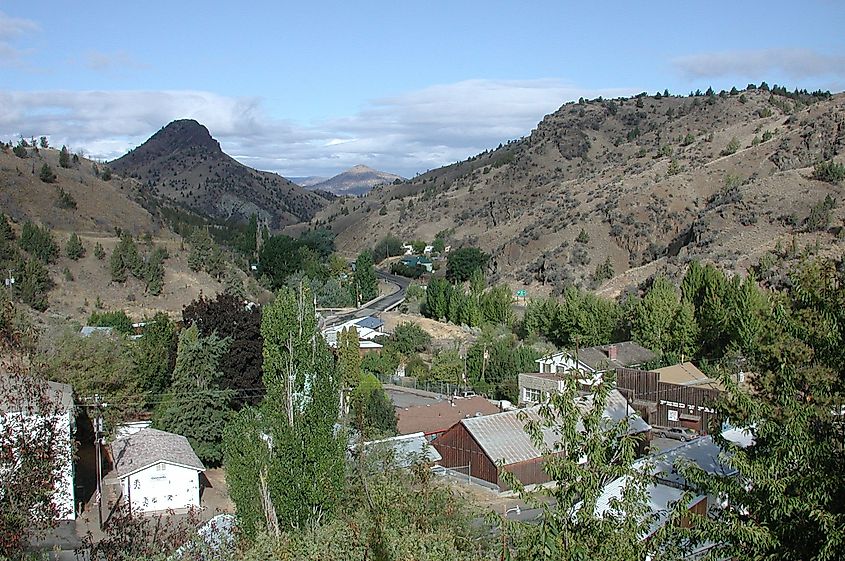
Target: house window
pixel 532 395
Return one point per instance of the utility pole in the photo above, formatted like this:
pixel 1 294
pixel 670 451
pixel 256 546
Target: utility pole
pixel 98 441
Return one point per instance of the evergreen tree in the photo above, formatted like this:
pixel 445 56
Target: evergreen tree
pixel 155 355
pixel 195 406
pixel 99 251
pixel 64 158
pixel 47 175
pixel 74 248
pixel 654 317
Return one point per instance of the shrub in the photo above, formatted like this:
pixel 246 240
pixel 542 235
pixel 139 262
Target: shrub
pixel 583 236
pixel 65 200
pixel 731 148
pixel 829 171
pixel 74 248
pixel 47 175
pixel 38 242
pixel 99 251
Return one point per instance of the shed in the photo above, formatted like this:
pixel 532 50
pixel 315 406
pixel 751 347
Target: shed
pixel 407 449
pixel 479 444
pixel 158 470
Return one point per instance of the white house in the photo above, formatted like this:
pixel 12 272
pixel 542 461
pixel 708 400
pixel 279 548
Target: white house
pixel 158 471
pixel 593 361
pixel 22 409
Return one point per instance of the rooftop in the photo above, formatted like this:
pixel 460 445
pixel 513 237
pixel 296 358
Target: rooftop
pixel 502 436
pixel 370 322
pixel 686 374
pixel 17 391
pixel 407 449
pixel 148 447
pixel 628 354
pixel 440 416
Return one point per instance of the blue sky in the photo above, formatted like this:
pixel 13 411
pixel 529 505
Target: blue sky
pixel 314 88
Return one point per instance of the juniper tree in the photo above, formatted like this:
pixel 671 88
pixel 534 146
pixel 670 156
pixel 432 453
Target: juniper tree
pixel 74 248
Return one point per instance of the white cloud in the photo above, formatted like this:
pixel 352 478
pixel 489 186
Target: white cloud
pixel 12 28
pixel 795 64
pixel 403 134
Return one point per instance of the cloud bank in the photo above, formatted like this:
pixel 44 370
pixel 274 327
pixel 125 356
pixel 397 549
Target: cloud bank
pixel 404 134
pixel 795 64
pixel 11 29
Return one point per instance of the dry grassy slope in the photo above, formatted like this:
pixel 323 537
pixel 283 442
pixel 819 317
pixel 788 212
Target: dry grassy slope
pixel 526 202
pixel 101 207
pixel 184 164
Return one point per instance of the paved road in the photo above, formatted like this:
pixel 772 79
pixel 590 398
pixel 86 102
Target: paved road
pixel 381 305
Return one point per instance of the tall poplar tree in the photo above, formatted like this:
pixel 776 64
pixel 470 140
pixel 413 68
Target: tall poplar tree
pixel 285 458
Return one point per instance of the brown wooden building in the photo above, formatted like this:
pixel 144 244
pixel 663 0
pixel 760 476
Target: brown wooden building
pixel 478 445
pixel 685 401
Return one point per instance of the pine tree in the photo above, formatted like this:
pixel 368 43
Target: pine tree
pixel 64 158
pixel 195 406
pixel 74 248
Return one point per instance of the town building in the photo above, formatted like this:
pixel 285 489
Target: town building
pixel 48 410
pixel 436 418
pixel 591 362
pixel 478 445
pixel 158 471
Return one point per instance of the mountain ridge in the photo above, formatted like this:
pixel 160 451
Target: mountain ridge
pixel 182 163
pixel 652 181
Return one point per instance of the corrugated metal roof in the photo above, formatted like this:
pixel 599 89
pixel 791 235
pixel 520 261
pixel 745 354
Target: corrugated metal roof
pixel 503 438
pixel 407 449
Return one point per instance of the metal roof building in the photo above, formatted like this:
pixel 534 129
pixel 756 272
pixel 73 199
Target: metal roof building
pixel 479 444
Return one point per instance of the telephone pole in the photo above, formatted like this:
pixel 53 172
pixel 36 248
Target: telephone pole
pixel 98 441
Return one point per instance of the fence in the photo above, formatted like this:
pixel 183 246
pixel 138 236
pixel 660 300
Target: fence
pixel 432 386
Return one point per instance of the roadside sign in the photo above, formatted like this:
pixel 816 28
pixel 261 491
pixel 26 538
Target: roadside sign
pixel 522 293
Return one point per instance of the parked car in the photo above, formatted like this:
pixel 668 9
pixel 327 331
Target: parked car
pixel 676 433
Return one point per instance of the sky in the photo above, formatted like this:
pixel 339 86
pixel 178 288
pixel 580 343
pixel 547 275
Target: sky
pixel 313 88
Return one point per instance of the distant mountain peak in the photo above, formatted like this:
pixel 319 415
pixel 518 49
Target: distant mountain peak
pixel 357 180
pixel 186 134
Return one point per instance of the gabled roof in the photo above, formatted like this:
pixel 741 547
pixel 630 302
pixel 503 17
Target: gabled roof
pixel 17 391
pixel 148 447
pixel 502 436
pixel 628 354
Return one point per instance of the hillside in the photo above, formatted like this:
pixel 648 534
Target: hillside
pixel 357 180
pixel 183 164
pixel 101 209
pixel 653 181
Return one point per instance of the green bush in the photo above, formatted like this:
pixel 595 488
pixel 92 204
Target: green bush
pixel 38 242
pixel 47 175
pixel 74 248
pixel 731 148
pixel 829 171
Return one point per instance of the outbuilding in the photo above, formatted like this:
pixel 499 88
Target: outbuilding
pixel 158 471
pixel 478 445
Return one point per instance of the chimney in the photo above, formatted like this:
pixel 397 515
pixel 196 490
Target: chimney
pixel 612 352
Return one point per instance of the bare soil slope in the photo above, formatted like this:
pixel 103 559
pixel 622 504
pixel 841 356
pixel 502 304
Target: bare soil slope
pixel 652 181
